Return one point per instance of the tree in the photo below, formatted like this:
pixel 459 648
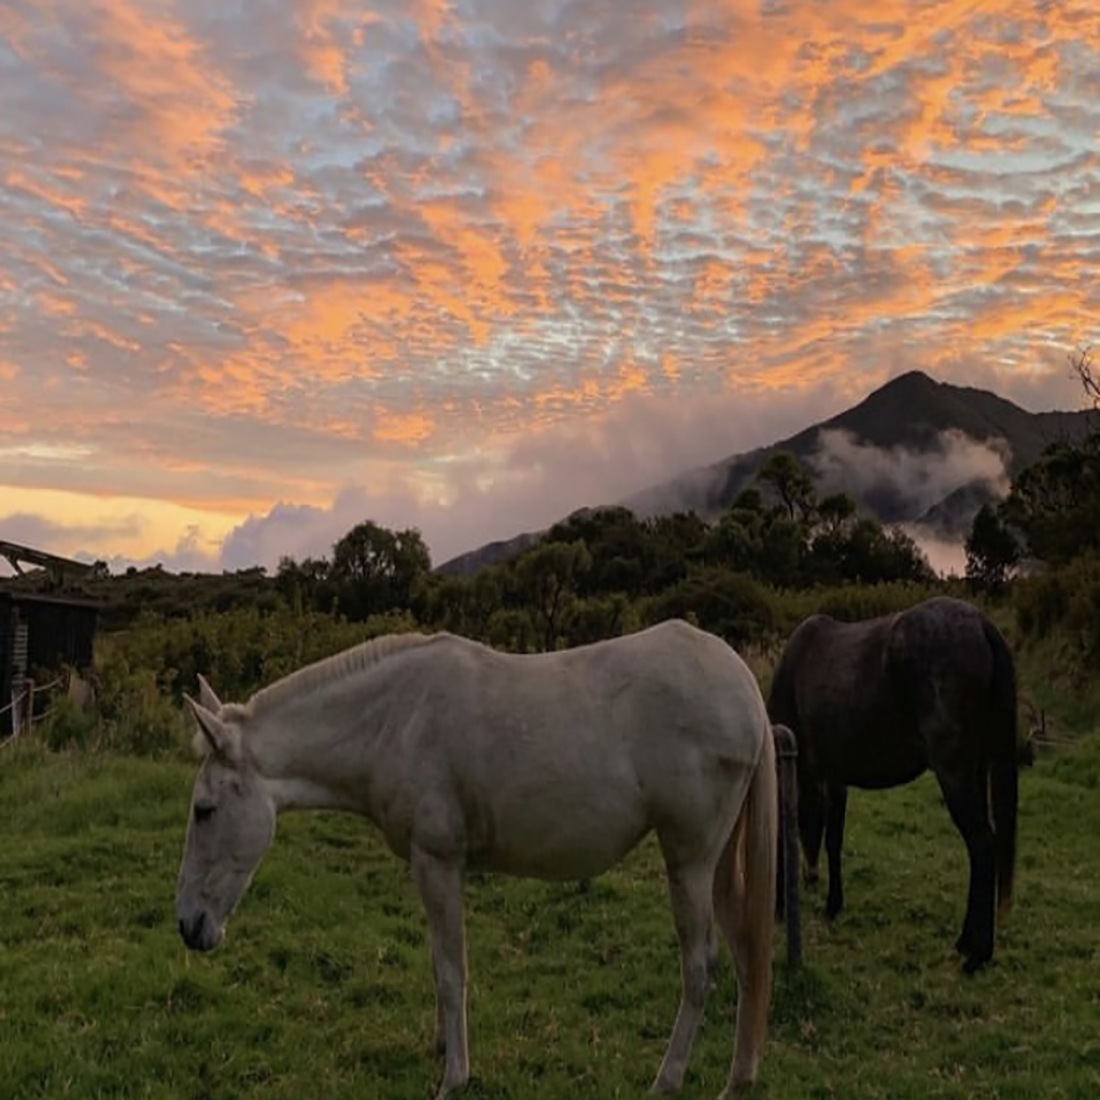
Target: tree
pixel 411 560
pixel 992 551
pixel 547 576
pixel 1081 365
pixel 787 477
pixel 304 584
pixel 1055 502
pixel 597 618
pixel 835 511
pixel 736 541
pixel 870 554
pixel 376 569
pixel 831 539
pixel 736 606
pixel 465 605
pixel 782 551
pixel 619 544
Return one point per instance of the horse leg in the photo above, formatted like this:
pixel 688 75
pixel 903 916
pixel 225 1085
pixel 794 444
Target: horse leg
pixel 811 824
pixel 781 860
pixel 440 884
pixel 712 956
pixel 690 888
pixel 836 809
pixel 439 1043
pixel 967 798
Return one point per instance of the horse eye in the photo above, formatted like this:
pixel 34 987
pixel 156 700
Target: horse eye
pixel 204 813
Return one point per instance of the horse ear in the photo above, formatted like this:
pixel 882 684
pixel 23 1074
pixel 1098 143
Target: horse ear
pixel 207 695
pixel 222 738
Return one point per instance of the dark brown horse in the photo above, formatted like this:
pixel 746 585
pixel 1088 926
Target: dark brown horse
pixel 874 704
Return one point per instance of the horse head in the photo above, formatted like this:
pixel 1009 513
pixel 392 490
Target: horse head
pixel 231 826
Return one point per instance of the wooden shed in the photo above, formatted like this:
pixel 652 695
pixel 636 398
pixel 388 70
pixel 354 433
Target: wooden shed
pixel 40 634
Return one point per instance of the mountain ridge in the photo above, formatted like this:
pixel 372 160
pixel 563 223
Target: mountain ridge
pixel 912 426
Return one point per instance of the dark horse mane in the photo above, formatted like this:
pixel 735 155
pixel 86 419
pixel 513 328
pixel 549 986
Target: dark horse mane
pixel 875 703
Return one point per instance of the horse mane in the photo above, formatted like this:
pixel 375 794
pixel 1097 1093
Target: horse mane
pixel 322 672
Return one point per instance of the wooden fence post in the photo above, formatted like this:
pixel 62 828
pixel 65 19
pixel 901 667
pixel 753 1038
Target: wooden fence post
pixel 22 702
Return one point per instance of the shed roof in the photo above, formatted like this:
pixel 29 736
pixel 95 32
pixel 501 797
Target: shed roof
pixel 8 595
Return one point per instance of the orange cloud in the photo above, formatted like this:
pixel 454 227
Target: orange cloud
pixel 408 429
pixel 157 66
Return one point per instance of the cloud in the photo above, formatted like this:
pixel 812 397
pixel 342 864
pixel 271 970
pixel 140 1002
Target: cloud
pixel 190 554
pixel 537 478
pixel 909 481
pixel 946 556
pixel 39 533
pixel 274 251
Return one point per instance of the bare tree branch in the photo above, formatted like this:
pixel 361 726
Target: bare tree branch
pixel 1081 367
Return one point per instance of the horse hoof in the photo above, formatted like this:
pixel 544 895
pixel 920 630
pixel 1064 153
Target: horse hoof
pixel 447 1088
pixel 661 1087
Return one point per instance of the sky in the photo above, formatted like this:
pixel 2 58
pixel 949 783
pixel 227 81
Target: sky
pixel 269 268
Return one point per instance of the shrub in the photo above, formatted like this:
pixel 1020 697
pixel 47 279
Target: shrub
pixel 734 606
pixel 1065 600
pixel 851 603
pixel 1040 603
pixel 68 725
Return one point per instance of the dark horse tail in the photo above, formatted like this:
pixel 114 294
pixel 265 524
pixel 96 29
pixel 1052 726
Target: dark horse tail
pixel 1004 765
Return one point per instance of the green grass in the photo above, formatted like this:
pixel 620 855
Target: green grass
pixel 323 987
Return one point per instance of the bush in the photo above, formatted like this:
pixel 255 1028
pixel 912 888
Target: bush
pixel 133 715
pixel 1040 603
pixel 1063 602
pixel 142 673
pixel 68 725
pixel 852 603
pixel 238 651
pixel 734 606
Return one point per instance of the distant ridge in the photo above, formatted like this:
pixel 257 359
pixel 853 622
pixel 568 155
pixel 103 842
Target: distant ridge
pixel 911 415
pixel 912 411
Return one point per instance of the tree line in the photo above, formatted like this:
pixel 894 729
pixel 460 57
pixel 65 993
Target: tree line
pixel 602 571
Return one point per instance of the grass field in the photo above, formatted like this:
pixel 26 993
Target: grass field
pixel 323 989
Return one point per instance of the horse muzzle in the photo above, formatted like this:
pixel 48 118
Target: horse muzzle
pixel 199 932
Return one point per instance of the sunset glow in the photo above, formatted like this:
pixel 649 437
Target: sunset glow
pixel 272 268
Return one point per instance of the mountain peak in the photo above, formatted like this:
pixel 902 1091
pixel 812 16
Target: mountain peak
pixel 909 380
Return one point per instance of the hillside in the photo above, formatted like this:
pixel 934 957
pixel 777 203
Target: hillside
pixel 914 451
